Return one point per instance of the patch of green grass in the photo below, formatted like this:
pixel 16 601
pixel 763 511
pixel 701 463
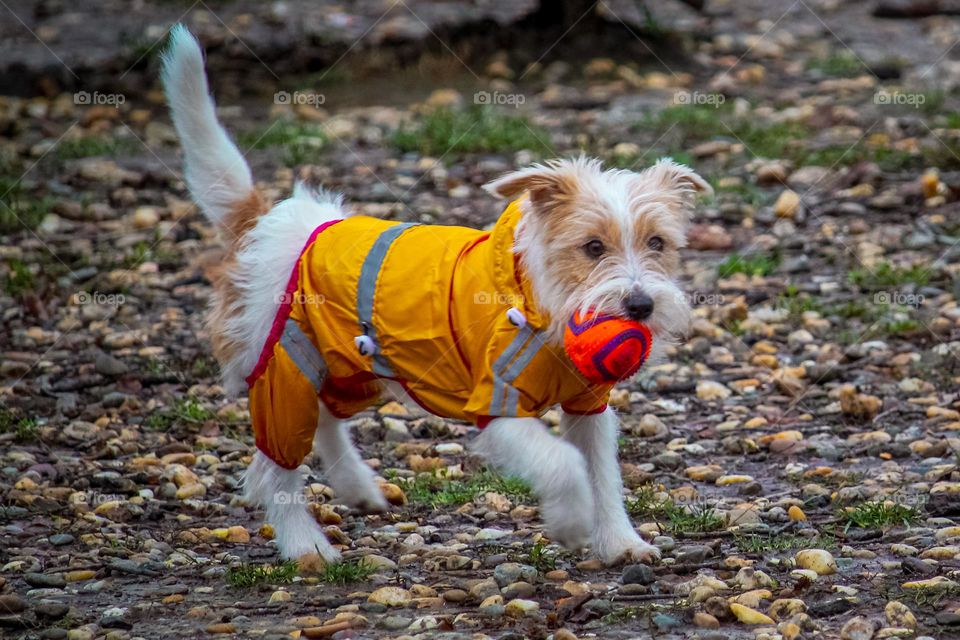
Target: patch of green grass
pixel 300 141
pixel 435 490
pixel 19 280
pixel 477 129
pixel 91 146
pixel 702 119
pixel 879 514
pixel 929 597
pixel 204 367
pixel 352 570
pixel 18 209
pixel 542 558
pixel 24 429
pixel 686 125
pixel 145 251
pixel 796 304
pixel 187 410
pixel 700 519
pixel 675 518
pixel 782 542
pixel 885 274
pixel 757 264
pixel 746 192
pixel 839 64
pixel 249 575
pixel 624 615
pixel 888 158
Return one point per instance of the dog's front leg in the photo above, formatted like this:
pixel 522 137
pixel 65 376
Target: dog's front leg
pixel 614 538
pixel 556 471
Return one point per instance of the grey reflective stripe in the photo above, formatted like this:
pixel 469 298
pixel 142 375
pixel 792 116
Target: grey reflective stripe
pixel 513 402
pixel 303 353
pixel 506 369
pixel 367 288
pixel 499 386
pixel 524 359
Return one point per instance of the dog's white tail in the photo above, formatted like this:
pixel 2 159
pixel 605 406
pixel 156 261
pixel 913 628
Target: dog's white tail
pixel 216 172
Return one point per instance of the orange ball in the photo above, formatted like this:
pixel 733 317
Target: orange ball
pixel 604 348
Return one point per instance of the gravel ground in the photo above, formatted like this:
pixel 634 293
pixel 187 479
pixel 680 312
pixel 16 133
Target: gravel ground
pixel 795 460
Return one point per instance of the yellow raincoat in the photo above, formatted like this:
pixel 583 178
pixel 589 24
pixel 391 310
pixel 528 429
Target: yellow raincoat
pixel 444 311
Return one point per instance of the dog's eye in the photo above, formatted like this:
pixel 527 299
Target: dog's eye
pixel 594 249
pixel 655 243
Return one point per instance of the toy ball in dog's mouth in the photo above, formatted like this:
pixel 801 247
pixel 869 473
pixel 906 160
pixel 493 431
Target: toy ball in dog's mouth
pixel 605 348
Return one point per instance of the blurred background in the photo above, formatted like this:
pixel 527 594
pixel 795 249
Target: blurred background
pixel 814 405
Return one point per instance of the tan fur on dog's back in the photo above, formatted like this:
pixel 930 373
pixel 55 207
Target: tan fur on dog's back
pixel 227 298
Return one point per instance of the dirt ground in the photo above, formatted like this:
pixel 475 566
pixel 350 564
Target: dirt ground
pixel 795 459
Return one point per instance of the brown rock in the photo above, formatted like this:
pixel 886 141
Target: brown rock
pixel 709 237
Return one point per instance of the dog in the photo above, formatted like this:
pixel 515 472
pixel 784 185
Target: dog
pixel 319 312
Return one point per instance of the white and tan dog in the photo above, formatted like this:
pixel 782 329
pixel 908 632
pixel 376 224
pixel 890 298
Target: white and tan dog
pixel 586 239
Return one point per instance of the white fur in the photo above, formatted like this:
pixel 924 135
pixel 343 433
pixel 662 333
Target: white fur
pixel 264 264
pixel 662 191
pixel 352 480
pixel 556 471
pixel 613 538
pixel 216 172
pixel 576 478
pixel 279 492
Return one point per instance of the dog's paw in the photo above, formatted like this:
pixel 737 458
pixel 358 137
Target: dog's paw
pixel 567 520
pixel 356 489
pixel 568 533
pixel 365 499
pixel 299 539
pixel 628 549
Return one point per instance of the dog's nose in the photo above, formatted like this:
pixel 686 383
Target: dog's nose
pixel 638 305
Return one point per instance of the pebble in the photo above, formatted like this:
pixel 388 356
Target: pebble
pixel 787 204
pixel 45 580
pixel 391 596
pixel 519 608
pixel 12 603
pixel 899 615
pixel 61 539
pixel 705 620
pixel 638 574
pixel 708 390
pixel 746 615
pixel 858 628
pixel 818 560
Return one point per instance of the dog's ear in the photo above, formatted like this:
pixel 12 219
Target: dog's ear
pixel 673 176
pixel 542 182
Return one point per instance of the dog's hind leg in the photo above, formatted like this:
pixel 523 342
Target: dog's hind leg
pixel 280 492
pixel 351 478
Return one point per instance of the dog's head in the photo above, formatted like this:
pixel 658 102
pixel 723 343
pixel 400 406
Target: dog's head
pixel 605 240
